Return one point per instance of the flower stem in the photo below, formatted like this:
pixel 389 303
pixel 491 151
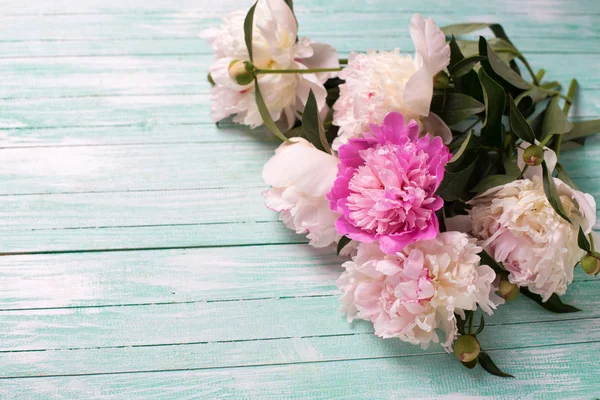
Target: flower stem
pixel 297 71
pixel 523 172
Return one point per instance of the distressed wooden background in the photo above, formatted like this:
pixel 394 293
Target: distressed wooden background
pixel 138 260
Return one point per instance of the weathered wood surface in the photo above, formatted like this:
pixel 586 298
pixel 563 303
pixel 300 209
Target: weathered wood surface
pixel 138 260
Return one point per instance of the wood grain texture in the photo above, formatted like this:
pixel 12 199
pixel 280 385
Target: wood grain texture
pixel 137 260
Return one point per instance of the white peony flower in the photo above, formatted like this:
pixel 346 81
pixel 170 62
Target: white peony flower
pixel 518 227
pixel 410 294
pixel 275 46
pixel 300 176
pixel 379 83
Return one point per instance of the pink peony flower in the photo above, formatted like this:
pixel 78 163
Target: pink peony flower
pixel 410 294
pixel 386 183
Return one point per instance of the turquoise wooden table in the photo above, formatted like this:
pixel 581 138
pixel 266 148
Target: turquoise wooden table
pixel 138 260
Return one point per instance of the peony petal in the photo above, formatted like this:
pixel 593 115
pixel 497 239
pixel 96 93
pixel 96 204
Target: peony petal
pixel 283 15
pixel 430 44
pixel 586 203
pixel 302 165
pixel 434 125
pixel 418 92
pixel 324 56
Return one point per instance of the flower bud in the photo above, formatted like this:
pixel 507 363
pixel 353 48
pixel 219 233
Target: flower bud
pixel 441 80
pixel 508 291
pixel 241 72
pixel 466 349
pixel 590 265
pixel 533 155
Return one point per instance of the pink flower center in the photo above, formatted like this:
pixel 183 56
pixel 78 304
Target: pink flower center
pixel 391 192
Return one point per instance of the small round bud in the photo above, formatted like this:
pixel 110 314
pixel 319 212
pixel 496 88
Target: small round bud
pixel 508 291
pixel 441 80
pixel 241 72
pixel 533 155
pixel 590 265
pixel 466 348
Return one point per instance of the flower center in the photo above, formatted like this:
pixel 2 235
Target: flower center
pixel 391 192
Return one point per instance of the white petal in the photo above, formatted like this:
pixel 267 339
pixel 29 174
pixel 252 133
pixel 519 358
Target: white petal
pixel 283 15
pixel 418 92
pixel 301 165
pixel 549 157
pixel 586 203
pixel 324 56
pixel 430 44
pixel 434 125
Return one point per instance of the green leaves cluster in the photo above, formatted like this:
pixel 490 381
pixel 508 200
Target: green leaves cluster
pixel 500 108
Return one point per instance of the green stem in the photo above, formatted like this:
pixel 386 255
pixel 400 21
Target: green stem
pixel 523 172
pixel 591 237
pixel 540 75
pixel 568 101
pixel 297 71
pixel 471 322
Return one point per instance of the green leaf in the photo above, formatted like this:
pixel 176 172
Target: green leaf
pixel 519 124
pixel 552 193
pixel 582 241
pixel 554 303
pixel 457 178
pixel 496 65
pixel 455 54
pixel 464 66
pixel 486 363
pixel 313 127
pixel 265 115
pixel 534 93
pixel 248 27
pixel 504 49
pixel 462 147
pixel 492 181
pixel 463 29
pixel 455 107
pixel 343 243
pixel 583 129
pixel 494 99
pixel 290 4
pixel 481 325
pixel 555 121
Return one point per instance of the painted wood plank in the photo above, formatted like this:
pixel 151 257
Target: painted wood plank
pixel 149 111
pixel 127 209
pixel 359 346
pixel 545 372
pixel 133 167
pixel 178 275
pixel 207 321
pixel 113 28
pixel 80 169
pixel 344 43
pixel 147 237
pixel 538 9
pixel 148 277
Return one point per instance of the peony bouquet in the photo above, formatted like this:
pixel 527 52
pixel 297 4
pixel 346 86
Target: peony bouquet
pixel 437 173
